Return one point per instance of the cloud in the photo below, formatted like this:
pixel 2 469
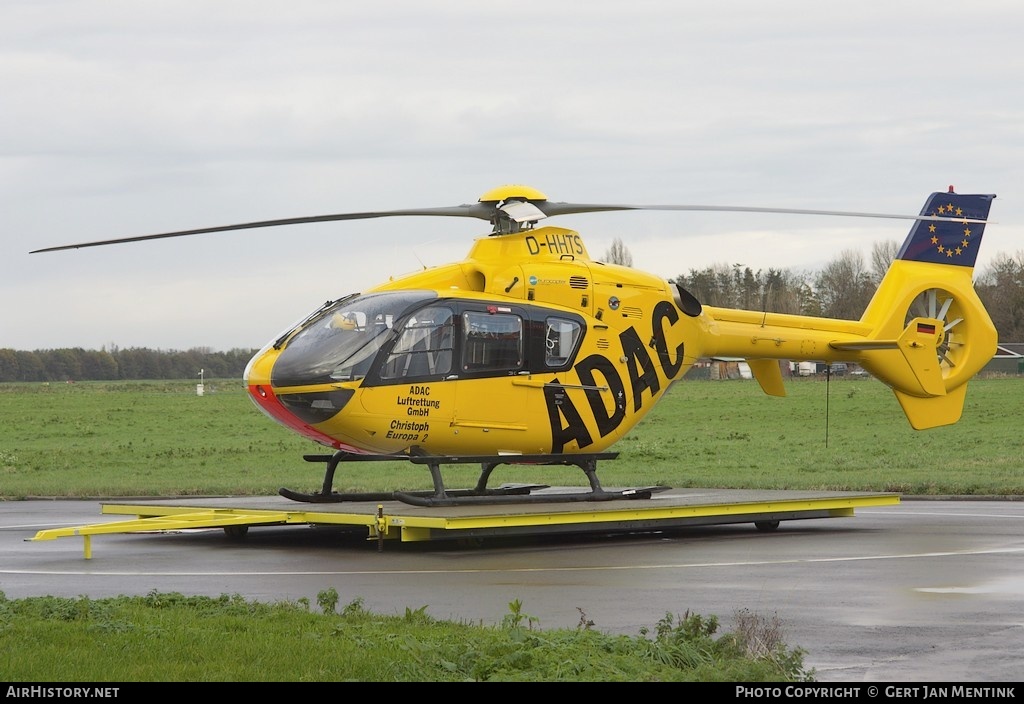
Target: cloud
pixel 124 118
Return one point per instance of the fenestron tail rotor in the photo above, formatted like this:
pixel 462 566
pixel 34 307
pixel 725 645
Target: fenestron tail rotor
pixel 939 304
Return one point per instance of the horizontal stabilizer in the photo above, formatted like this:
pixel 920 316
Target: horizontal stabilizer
pixel 867 345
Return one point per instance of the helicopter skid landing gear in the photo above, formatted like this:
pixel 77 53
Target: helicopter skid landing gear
pixel 480 494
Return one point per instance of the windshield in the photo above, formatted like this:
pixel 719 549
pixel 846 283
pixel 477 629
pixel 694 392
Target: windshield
pixel 340 342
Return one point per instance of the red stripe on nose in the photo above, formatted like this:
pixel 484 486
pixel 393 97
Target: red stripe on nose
pixel 268 402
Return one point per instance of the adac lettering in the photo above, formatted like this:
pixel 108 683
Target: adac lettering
pixel 666 311
pixel 559 404
pixel 566 421
pixel 585 369
pixel 636 356
pixel 417 401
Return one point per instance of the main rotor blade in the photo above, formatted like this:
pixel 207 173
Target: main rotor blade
pixel 488 210
pixel 552 209
pixel 483 211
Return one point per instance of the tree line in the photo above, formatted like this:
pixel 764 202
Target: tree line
pixel 77 364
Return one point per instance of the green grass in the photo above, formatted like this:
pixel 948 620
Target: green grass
pixel 168 637
pixel 161 439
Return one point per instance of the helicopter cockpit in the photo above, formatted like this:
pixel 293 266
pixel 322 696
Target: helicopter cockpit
pixel 395 336
pixel 340 341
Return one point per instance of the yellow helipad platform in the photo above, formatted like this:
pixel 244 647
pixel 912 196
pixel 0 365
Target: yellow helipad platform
pixel 396 520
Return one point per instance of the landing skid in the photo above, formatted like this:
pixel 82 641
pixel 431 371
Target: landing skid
pixel 480 494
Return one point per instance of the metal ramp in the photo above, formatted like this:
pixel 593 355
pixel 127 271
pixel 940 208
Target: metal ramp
pixel 396 520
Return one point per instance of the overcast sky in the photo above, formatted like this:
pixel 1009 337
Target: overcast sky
pixel 129 118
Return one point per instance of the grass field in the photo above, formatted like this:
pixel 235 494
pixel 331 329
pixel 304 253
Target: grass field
pixel 150 439
pixel 105 439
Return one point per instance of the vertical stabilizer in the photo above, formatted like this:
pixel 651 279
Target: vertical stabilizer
pixel 948 241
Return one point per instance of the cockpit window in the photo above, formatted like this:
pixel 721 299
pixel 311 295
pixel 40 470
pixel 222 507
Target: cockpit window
pixel 340 342
pixel 423 347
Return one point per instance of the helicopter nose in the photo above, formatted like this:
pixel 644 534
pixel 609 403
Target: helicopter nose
pixel 298 411
pixel 302 410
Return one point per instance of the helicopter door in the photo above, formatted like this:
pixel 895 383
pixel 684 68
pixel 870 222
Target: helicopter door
pixel 493 349
pixel 413 390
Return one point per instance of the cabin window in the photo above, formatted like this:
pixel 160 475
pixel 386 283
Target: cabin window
pixel 492 342
pixel 424 347
pixel 560 338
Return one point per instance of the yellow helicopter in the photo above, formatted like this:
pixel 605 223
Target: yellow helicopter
pixel 529 351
